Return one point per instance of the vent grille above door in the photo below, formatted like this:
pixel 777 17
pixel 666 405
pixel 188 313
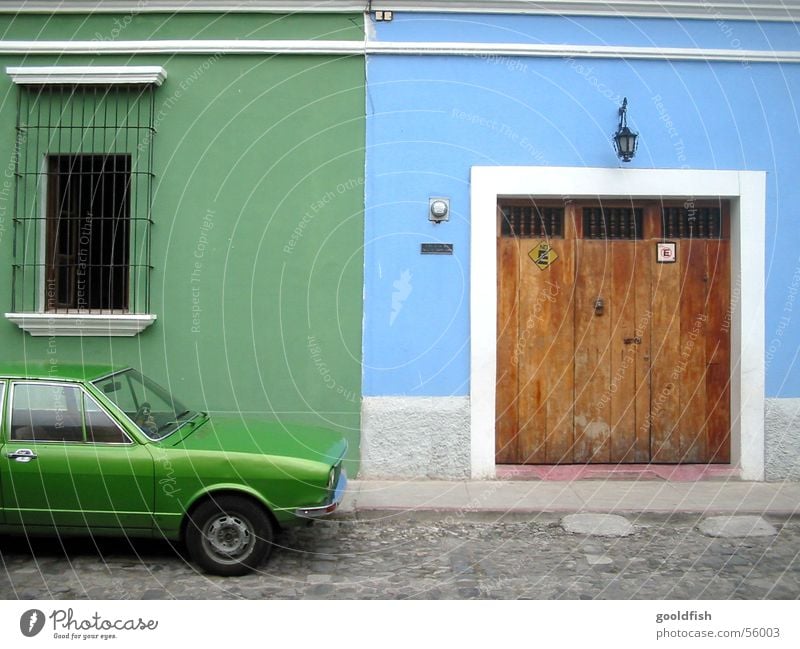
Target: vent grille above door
pixel 612 223
pixel 532 221
pixel 695 223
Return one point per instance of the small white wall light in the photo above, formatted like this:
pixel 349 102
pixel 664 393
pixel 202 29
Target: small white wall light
pixel 438 209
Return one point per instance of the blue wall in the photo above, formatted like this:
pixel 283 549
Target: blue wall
pixel 429 119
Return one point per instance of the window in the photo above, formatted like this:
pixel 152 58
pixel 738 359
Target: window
pixel 88 232
pixel 45 412
pixel 152 408
pixel 84 182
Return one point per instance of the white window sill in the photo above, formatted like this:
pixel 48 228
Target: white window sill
pixel 77 324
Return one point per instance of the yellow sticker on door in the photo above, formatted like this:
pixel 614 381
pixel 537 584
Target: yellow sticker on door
pixel 543 255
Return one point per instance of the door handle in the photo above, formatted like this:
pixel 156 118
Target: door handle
pixel 22 455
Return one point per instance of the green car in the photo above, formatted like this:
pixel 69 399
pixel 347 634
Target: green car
pixel 102 450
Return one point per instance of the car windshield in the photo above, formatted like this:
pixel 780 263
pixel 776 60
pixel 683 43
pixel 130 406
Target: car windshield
pixel 152 408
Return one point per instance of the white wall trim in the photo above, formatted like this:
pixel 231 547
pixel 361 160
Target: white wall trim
pixel 77 324
pixel 747 191
pixel 236 46
pixel 349 48
pixel 788 10
pixel 582 51
pixel 95 75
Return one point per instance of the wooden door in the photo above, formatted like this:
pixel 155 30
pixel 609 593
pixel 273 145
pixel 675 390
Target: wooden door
pixel 605 354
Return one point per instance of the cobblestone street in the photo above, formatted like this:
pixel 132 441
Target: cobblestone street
pixel 430 556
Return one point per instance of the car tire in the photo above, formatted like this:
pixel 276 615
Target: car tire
pixel 229 535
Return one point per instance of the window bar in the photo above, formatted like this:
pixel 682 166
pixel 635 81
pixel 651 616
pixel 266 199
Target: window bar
pixel 119 223
pixel 107 274
pixel 148 207
pixel 53 181
pixel 34 202
pixel 18 156
pixel 712 225
pixel 133 196
pixel 701 223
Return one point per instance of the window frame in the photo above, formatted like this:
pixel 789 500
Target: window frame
pixel 30 313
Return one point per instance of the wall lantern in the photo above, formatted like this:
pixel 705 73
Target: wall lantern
pixel 625 140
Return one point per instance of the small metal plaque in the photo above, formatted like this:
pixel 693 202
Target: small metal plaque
pixel 665 252
pixel 436 249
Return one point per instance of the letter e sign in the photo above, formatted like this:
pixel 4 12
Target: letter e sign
pixel 665 252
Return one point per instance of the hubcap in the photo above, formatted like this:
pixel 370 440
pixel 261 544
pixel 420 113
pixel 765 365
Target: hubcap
pixel 229 538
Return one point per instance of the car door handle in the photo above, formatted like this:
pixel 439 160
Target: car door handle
pixel 22 455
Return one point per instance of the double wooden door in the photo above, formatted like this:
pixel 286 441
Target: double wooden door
pixel 613 333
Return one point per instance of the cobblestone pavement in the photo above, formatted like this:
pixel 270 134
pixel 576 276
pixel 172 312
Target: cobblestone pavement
pixel 430 556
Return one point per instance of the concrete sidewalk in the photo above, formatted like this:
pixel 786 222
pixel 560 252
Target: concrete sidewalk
pixel 606 496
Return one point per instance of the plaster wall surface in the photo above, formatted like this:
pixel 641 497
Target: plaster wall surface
pixel 782 431
pixel 415 437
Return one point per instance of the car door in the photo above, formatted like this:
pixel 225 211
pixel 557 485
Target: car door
pixel 68 463
pixel 2 444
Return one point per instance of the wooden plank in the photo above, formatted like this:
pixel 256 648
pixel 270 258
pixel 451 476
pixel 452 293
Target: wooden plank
pixel 664 358
pixel 622 313
pixel 692 361
pixel 718 354
pixel 644 252
pixel 506 423
pixel 559 358
pixel 531 349
pixel 592 366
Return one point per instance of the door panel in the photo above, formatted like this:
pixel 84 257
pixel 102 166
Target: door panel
pixel 559 322
pixel 506 440
pixel 691 368
pixel 55 477
pixel 665 357
pixel 592 352
pixel 718 351
pixel 78 485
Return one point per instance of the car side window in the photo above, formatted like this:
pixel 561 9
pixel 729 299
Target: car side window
pixel 2 407
pixel 100 427
pixel 46 413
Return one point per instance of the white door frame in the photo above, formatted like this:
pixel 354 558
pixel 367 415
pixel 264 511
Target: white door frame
pixel 746 191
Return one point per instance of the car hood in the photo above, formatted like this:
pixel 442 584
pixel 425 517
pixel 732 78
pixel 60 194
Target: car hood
pixel 253 435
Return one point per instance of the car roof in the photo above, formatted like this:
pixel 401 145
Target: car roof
pixel 54 369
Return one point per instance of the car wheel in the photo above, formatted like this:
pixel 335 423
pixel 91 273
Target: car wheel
pixel 229 535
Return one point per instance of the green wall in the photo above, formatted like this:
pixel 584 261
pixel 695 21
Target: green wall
pixel 257 221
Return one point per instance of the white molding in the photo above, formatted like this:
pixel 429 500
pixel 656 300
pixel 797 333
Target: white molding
pixel 235 46
pixel 184 6
pixel 771 10
pixel 583 51
pixel 747 191
pixel 77 324
pixel 94 74
pixel 347 48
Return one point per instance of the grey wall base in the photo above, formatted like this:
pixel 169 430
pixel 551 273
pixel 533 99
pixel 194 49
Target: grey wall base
pixel 415 437
pixel 782 430
pixel 429 437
